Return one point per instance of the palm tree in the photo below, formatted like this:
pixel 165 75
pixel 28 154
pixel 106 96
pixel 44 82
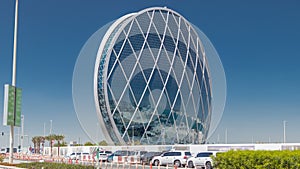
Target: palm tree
pixel 40 140
pixel 43 143
pixel 59 138
pixel 50 138
pixel 34 141
pixel 37 140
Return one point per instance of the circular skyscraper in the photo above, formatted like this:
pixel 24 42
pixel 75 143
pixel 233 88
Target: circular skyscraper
pixel 152 80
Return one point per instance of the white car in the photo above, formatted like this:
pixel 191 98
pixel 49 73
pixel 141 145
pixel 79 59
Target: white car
pixel 202 159
pixel 102 156
pixel 176 158
pixel 119 156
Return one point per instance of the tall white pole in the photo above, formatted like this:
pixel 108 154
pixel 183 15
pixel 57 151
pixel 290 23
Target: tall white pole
pixel 44 129
pixel 19 136
pixel 15 46
pixel 226 136
pixel 11 140
pixel 50 127
pixel 22 131
pixel 284 136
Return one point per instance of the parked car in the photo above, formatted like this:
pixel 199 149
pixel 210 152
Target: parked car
pixel 135 156
pixel 3 151
pixel 139 153
pixel 147 157
pixel 176 158
pixel 102 155
pixel 114 157
pixel 77 156
pixel 6 150
pixel 202 159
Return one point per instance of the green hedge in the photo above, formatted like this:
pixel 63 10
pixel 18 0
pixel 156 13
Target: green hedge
pixel 247 159
pixel 44 165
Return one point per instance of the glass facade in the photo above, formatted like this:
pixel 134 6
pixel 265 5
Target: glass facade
pixel 153 80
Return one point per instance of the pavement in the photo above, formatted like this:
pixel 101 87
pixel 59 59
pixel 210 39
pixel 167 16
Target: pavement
pixel 14 162
pixel 104 165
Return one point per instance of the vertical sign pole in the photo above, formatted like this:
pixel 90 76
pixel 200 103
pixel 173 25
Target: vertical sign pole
pixel 226 136
pixel 22 132
pixel 11 140
pixel 50 131
pixel 284 136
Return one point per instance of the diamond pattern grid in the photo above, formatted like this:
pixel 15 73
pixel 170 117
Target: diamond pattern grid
pixel 160 49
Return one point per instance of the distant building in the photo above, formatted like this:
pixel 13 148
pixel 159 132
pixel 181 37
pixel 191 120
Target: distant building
pixel 152 82
pixel 73 143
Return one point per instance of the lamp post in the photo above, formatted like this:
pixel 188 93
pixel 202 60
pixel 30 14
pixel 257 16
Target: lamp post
pixel 22 130
pixel 11 138
pixel 226 136
pixel 284 126
pixel 44 129
pixel 50 132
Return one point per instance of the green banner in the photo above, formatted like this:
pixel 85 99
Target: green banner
pixel 18 107
pixel 12 105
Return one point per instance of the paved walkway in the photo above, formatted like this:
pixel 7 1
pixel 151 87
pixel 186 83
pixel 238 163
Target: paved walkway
pixel 12 167
pixel 9 167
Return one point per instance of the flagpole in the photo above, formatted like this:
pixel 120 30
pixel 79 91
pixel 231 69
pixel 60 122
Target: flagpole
pixel 11 141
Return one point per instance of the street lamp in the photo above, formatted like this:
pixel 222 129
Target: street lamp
pixel 44 129
pixel 284 136
pixel 226 133
pixel 11 138
pixel 22 131
pixel 50 132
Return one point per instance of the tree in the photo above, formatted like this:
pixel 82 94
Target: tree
pixel 103 143
pixel 50 138
pixel 37 140
pixel 89 144
pixel 43 143
pixel 59 138
pixel 62 144
pixel 34 141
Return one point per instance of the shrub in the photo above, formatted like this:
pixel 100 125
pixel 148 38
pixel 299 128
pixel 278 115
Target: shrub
pixel 257 159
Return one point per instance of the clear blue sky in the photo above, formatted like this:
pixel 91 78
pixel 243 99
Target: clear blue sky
pixel 258 43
